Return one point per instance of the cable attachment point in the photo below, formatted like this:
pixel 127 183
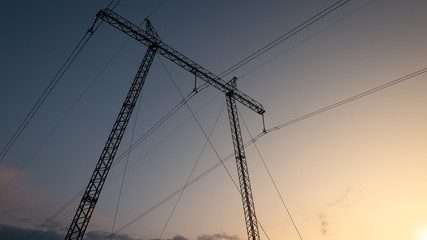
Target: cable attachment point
pixel 195 84
pixel 232 84
pixel 91 29
pixel 263 124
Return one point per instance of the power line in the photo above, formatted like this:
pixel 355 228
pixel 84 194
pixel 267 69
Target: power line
pixel 156 8
pixel 350 99
pixel 58 76
pixel 112 3
pixel 115 5
pixel 285 36
pixel 76 102
pixel 306 39
pixel 69 110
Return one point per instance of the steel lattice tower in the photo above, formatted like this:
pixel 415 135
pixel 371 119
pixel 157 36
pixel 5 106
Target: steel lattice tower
pixel 150 38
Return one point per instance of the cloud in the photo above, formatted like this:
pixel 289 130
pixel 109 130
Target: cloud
pixel 218 236
pixel 55 226
pixel 5 176
pixel 15 233
pixel 323 224
pixel 341 200
pixel 10 215
pixel 8 232
pixel 177 237
pixel 25 202
pixel 101 235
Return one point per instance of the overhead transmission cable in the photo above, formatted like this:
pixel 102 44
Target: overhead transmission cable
pixel 156 8
pixel 9 183
pixel 115 5
pixel 306 39
pixel 285 36
pixel 350 99
pixel 58 76
pixel 76 102
pixel 54 81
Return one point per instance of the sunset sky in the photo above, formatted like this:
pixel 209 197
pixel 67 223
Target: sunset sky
pixel 356 171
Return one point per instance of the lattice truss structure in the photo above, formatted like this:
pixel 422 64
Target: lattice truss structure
pixel 150 38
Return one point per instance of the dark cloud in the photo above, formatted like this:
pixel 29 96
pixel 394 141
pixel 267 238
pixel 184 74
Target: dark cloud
pixel 8 232
pixel 11 215
pixel 177 237
pixel 54 226
pixel 101 235
pixel 15 233
pixel 218 236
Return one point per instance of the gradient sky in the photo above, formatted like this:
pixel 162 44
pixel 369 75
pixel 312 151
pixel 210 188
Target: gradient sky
pixel 355 172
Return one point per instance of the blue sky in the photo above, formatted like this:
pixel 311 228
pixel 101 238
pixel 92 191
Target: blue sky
pixel 354 172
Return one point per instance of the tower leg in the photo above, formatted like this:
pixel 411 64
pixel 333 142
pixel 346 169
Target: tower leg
pixel 90 197
pixel 242 168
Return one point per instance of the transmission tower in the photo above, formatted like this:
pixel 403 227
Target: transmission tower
pixel 150 38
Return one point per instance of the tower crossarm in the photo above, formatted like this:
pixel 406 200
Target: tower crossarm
pixel 148 39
